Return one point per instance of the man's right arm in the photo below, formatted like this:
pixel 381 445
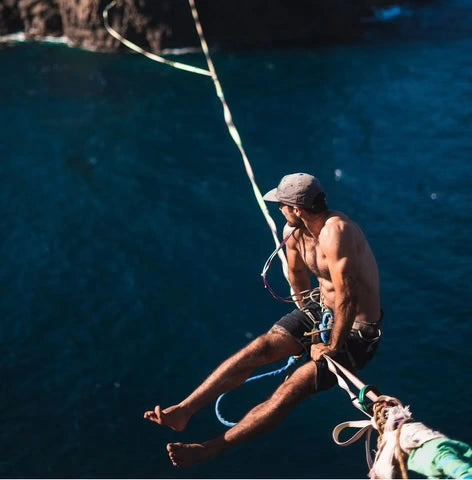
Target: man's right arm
pixel 298 274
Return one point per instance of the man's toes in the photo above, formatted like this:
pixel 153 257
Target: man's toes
pixel 150 416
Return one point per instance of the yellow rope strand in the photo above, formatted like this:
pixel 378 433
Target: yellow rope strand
pixel 380 416
pixel 226 111
pixel 152 56
pixel 234 133
pixel 400 455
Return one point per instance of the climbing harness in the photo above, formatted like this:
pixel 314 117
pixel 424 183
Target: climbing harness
pixel 323 327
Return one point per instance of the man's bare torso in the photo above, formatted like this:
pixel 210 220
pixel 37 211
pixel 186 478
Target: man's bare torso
pixel 366 277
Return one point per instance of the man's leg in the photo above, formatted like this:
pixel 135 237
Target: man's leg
pixel 258 420
pixel 275 345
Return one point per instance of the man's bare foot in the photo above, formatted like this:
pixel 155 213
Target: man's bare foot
pixel 174 417
pixel 188 454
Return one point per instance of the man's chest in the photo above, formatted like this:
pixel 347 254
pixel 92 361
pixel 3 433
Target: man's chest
pixel 313 256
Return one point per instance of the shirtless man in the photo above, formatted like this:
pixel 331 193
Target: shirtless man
pixel 331 247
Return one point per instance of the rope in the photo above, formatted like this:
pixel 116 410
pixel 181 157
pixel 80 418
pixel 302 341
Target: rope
pixel 388 443
pixel 138 49
pixel 365 427
pixel 380 403
pixel 339 371
pixel 226 111
pixel 400 455
pixel 291 361
pixel 379 416
pixel 235 135
pixel 403 444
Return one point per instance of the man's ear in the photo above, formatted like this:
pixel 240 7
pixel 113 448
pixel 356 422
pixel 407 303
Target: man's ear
pixel 297 211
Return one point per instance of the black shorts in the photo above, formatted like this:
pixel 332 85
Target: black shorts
pixel 361 344
pixel 298 322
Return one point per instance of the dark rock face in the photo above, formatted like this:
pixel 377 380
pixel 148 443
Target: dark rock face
pixel 40 17
pixel 10 20
pixel 162 24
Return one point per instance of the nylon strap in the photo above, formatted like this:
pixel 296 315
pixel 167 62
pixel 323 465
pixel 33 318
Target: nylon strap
pixel 364 428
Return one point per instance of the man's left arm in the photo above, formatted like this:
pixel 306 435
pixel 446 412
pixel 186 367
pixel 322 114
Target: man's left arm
pixel 338 245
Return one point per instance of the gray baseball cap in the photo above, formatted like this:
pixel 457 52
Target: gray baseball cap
pixel 296 190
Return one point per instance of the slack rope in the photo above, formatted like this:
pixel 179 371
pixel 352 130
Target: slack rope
pixel 290 362
pixel 138 49
pixel 226 111
pixel 234 132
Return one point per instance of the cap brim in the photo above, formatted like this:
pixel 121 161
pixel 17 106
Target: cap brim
pixel 271 196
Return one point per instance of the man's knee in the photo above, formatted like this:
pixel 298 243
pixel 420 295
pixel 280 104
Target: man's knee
pixel 300 385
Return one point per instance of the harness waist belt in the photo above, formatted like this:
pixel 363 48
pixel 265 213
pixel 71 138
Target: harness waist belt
pixel 360 325
pixel 367 330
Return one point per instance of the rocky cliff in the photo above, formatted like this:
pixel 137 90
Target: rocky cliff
pixel 164 24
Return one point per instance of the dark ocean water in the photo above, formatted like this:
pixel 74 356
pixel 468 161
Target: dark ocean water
pixel 131 242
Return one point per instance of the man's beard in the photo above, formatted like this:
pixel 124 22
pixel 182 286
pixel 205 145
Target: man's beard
pixel 297 223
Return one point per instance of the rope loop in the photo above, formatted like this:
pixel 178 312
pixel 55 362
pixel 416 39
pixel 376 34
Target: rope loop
pixel 290 362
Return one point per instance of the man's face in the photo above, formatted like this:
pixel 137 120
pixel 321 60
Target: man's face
pixel 292 219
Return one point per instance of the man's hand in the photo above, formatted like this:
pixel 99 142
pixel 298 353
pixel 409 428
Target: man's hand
pixel 319 349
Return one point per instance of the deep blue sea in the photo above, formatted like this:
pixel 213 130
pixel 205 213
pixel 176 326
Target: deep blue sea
pixel 131 242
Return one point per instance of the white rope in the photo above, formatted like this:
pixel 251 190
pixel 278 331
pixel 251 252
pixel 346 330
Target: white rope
pixel 336 368
pixel 234 133
pixel 226 111
pixel 138 49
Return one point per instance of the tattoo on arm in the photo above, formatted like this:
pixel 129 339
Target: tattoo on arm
pixel 277 329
